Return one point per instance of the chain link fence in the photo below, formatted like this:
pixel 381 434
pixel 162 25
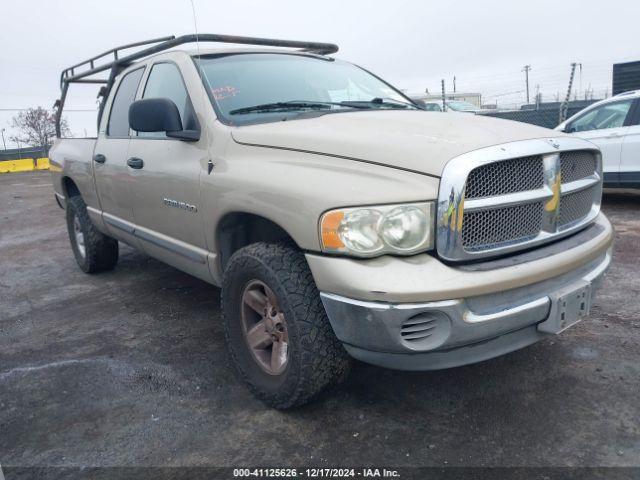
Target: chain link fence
pixel 545 96
pixel 546 115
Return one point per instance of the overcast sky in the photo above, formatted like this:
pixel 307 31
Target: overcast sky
pixel 411 43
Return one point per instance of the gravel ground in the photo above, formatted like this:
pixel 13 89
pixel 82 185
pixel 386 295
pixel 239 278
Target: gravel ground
pixel 129 368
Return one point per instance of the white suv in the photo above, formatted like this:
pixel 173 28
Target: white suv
pixel 614 126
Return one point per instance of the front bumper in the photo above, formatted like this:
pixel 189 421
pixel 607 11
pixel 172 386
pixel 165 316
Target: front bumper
pixel 466 329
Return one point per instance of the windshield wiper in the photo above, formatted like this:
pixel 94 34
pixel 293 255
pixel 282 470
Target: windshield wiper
pixel 386 102
pixel 290 105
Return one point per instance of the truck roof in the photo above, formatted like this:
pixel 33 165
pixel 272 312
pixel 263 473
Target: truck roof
pixel 84 71
pixel 231 50
pixel 79 72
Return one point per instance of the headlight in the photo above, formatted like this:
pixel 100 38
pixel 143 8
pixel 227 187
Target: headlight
pixel 371 231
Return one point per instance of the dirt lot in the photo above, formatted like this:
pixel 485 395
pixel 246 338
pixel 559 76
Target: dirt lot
pixel 130 368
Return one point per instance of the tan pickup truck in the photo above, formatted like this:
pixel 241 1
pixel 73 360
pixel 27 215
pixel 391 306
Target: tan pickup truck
pixel 338 217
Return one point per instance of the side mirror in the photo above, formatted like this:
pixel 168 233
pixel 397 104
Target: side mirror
pixel 159 115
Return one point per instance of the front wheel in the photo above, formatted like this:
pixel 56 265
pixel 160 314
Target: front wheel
pixel 278 334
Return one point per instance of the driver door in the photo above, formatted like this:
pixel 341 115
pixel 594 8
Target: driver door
pixel 165 185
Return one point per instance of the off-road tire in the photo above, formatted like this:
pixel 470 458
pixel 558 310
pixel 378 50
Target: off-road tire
pixel 101 251
pixel 317 359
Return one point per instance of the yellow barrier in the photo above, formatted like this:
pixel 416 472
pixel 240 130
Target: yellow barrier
pixel 42 164
pixel 24 165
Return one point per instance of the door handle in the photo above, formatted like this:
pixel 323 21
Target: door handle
pixel 135 162
pixel 99 158
pixel 614 135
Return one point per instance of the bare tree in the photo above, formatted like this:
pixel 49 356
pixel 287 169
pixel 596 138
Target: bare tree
pixel 37 127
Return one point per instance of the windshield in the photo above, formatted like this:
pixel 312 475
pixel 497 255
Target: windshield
pixel 261 87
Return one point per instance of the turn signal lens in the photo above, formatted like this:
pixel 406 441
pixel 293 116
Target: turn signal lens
pixel 372 231
pixel 330 224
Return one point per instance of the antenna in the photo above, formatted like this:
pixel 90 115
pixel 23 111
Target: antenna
pixel 203 85
pixel 195 26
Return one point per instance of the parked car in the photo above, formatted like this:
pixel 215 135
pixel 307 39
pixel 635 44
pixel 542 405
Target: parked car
pixel 613 125
pixel 461 106
pixel 339 219
pixel 452 105
pixel 432 107
pixel 429 106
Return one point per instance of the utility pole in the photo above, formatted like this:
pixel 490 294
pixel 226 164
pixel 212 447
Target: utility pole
pixel 444 102
pixel 538 99
pixel 454 84
pixel 3 142
pixel 564 107
pixel 526 70
pixel 580 82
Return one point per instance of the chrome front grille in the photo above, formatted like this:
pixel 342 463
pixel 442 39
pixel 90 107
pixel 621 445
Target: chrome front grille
pixel 514 196
pixel 576 165
pixel 498 226
pixel 509 176
pixel 574 207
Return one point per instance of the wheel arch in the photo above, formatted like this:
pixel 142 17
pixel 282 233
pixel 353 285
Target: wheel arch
pixel 69 187
pixel 236 230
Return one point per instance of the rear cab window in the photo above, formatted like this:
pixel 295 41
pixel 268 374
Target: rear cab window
pixel 118 125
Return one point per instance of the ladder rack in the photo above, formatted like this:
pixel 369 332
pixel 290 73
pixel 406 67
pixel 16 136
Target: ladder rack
pixel 80 72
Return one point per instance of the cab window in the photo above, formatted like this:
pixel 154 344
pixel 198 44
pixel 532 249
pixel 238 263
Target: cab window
pixel 125 95
pixel 165 81
pixel 610 115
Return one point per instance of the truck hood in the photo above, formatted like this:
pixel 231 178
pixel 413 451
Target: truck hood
pixel 411 140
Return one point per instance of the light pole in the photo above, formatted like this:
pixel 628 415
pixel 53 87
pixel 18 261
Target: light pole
pixel 3 142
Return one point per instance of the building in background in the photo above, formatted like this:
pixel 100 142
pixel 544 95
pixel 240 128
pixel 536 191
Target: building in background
pixel 473 98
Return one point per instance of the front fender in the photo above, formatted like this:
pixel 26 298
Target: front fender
pixel 293 189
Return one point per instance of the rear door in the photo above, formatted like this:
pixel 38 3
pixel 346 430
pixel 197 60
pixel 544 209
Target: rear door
pixel 112 179
pixel 166 189
pixel 630 155
pixel 605 126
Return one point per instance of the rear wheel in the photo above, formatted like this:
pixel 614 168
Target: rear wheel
pixel 93 250
pixel 279 337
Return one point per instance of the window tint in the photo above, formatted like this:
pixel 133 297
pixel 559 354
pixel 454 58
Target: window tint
pixel 165 81
pixel 245 80
pixel 126 94
pixel 636 115
pixel 611 115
